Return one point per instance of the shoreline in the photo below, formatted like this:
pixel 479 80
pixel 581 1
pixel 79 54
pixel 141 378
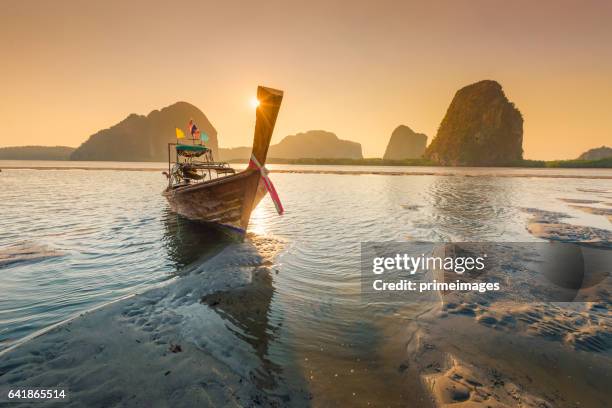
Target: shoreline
pixel 432 173
pixel 461 172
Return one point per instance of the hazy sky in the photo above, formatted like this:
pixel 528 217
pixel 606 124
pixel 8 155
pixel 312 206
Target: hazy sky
pixel 359 69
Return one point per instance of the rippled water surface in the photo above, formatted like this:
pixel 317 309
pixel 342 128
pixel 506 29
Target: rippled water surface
pixel 74 239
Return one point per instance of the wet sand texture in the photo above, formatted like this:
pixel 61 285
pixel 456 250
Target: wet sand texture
pixel 153 349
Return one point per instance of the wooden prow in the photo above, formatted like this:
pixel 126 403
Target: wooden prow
pixel 266 114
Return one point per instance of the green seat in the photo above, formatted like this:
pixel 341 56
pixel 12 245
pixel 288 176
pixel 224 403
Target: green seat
pixel 191 150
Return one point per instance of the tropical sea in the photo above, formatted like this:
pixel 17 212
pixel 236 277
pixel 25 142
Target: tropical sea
pixel 75 239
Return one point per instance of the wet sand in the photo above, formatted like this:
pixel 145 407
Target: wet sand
pixel 606 212
pixel 148 349
pixel 550 226
pixel 23 252
pixel 456 350
pixel 476 352
pixel 475 365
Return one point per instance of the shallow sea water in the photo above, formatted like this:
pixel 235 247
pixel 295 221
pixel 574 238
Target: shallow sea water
pixel 71 240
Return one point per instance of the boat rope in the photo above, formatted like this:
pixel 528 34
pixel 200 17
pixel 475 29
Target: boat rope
pixel 254 164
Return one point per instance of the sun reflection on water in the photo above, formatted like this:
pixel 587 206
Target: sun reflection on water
pixel 258 222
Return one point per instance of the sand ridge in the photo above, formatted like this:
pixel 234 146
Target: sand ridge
pixel 548 225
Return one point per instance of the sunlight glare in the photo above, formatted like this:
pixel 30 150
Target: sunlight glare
pixel 254 102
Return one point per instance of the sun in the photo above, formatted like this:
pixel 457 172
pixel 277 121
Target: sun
pixel 254 102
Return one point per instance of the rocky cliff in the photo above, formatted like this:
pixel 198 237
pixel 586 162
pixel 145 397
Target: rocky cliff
pixel 602 152
pixel 405 144
pixel 480 128
pixel 145 138
pixel 311 144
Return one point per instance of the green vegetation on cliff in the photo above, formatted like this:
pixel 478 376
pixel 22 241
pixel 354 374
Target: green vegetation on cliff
pixel 480 128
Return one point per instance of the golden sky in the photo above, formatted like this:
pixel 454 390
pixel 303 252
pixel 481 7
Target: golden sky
pixel 356 68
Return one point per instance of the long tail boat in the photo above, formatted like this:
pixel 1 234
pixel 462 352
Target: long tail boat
pixel 202 189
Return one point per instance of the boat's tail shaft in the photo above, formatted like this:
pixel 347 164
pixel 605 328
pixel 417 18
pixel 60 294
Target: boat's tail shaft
pixel 266 113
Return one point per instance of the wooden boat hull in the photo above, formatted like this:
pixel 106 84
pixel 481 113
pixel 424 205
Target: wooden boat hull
pixel 227 201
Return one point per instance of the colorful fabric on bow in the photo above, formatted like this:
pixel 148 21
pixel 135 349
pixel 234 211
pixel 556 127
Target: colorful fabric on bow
pixel 254 164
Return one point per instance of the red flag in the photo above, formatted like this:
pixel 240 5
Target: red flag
pixel 193 129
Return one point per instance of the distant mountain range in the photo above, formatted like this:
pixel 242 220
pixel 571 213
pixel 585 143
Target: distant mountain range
pixel 481 127
pixel 36 153
pixel 311 144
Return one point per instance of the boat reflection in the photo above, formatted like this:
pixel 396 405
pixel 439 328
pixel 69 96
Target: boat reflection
pixel 188 241
pixel 247 309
